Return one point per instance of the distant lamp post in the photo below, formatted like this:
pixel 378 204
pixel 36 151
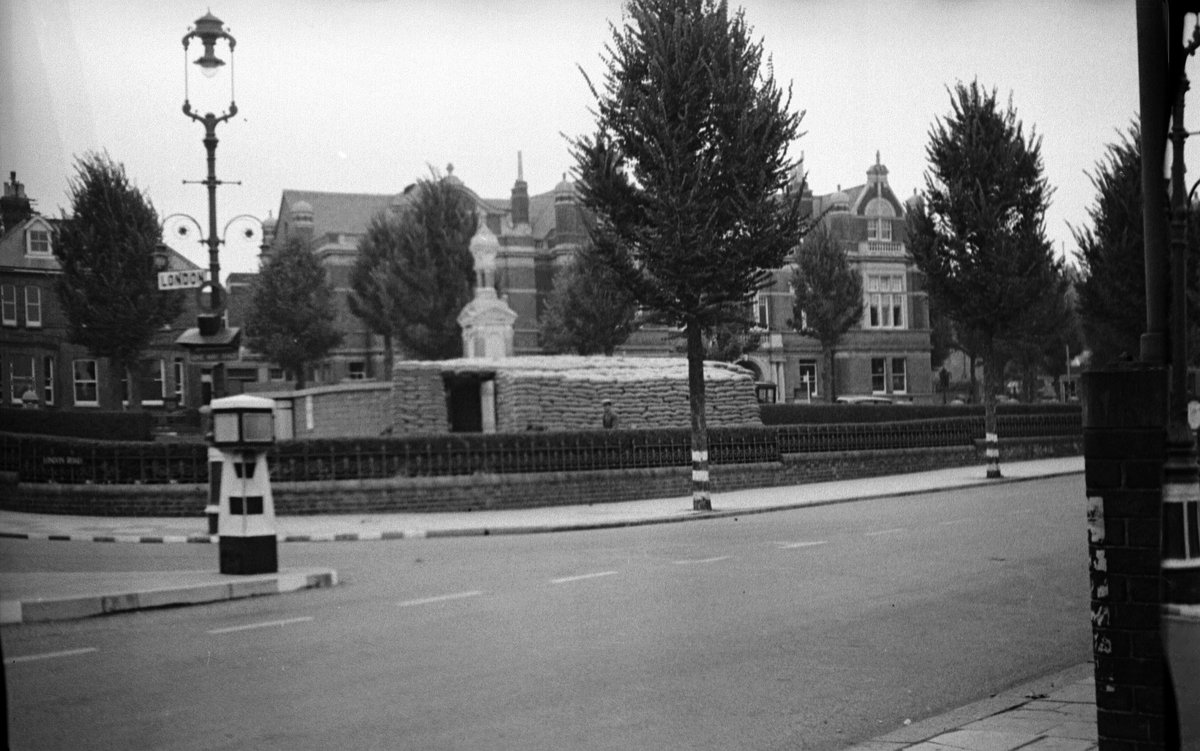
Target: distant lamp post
pixel 210 32
pixel 211 341
pixel 162 258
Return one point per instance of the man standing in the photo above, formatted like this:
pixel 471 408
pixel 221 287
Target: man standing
pixel 610 417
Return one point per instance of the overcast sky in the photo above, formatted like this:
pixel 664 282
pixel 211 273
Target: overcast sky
pixel 367 95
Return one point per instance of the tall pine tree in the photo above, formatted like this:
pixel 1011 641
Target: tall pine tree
pixel 291 315
pixel 979 234
pixel 589 311
pixel 687 170
pixel 108 288
pixel 828 296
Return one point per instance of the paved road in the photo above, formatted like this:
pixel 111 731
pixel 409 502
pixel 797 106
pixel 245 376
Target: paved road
pixel 814 628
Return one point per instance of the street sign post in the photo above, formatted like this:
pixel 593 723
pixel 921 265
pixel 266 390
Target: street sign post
pixel 185 279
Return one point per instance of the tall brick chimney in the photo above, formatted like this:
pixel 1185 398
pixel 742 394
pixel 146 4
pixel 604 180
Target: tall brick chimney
pixel 14 206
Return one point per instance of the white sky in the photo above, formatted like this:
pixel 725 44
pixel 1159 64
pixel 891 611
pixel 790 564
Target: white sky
pixel 366 95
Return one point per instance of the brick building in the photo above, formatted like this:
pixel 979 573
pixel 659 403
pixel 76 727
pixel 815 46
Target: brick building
pixel 35 355
pixel 535 233
pixel 888 352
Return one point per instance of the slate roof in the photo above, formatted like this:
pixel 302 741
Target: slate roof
pixel 335 213
pixel 12 248
pixel 350 213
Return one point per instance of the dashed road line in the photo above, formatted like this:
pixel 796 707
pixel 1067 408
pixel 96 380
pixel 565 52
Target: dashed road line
pixel 49 655
pixel 954 521
pixel 264 624
pixel 439 598
pixel 795 545
pixel 891 531
pixel 701 560
pixel 581 577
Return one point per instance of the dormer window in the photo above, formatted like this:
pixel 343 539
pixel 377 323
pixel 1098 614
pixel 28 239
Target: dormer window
pixel 879 229
pixel 37 240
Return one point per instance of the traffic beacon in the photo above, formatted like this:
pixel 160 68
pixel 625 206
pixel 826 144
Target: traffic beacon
pixel 243 429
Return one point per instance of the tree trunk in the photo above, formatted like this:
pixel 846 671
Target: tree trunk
pixel 991 441
pixel 113 391
pixel 701 500
pixel 829 375
pixel 389 357
pixel 974 395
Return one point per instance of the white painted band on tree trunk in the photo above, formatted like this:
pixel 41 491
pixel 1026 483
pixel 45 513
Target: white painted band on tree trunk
pixel 699 456
pixel 1180 492
pixel 699 475
pixel 993 453
pixel 991 437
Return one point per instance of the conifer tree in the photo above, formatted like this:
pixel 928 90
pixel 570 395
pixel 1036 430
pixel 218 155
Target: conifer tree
pixel 108 288
pixel 687 170
pixel 589 311
pixel 291 315
pixel 978 235
pixel 828 296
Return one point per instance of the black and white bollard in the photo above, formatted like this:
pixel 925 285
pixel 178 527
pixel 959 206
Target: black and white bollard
pixel 243 429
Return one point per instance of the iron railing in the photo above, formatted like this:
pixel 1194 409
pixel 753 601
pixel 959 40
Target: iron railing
pixel 49 459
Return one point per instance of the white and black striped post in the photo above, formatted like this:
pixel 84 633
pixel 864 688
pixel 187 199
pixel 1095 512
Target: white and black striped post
pixel 701 497
pixel 991 448
pixel 1180 622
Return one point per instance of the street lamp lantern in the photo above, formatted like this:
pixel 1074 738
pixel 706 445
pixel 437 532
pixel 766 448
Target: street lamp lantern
pixel 209 30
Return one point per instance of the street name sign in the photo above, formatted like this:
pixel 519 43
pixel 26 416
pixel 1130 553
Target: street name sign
pixel 185 279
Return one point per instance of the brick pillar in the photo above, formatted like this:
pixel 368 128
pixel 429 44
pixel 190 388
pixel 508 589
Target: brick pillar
pixel 1124 434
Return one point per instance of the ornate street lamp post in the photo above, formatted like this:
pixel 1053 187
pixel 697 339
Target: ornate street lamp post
pixel 211 341
pixel 209 31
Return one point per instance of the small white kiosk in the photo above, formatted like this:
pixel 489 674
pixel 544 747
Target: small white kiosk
pixel 243 428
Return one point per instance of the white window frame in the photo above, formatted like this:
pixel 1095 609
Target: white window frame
pixel 809 366
pixel 38 242
pixel 179 372
pixel 161 380
pixel 150 398
pixel 19 383
pixel 886 299
pixel 77 382
pixel 33 307
pixel 881 374
pixel 762 310
pixel 8 304
pixel 900 373
pixel 48 374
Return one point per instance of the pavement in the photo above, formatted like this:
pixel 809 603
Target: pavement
pixel 1054 713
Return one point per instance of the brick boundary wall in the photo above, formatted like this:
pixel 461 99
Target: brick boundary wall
pixel 346 409
pixel 1124 430
pixel 492 491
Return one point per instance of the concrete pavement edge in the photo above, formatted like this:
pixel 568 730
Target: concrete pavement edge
pixel 484 531
pixel 220 588
pixel 996 704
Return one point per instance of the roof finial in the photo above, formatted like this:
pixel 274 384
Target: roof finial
pixel 520 167
pixel 877 156
pixel 449 168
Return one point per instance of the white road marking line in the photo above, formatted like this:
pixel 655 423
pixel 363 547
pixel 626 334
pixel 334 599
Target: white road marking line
pixel 49 655
pixel 439 598
pixel 264 624
pixel 884 531
pixel 581 577
pixel 955 521
pixel 794 545
pixel 702 560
